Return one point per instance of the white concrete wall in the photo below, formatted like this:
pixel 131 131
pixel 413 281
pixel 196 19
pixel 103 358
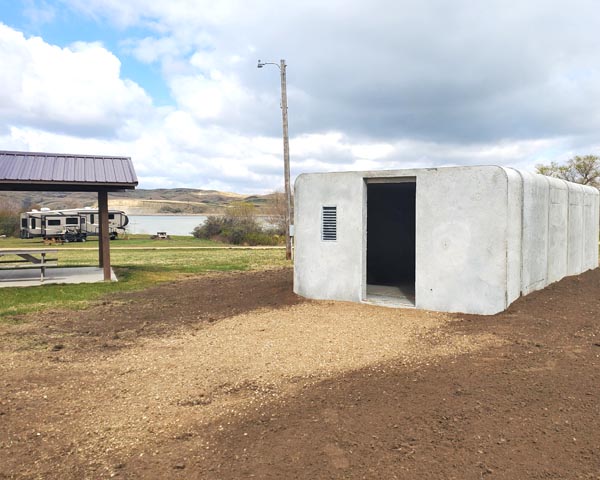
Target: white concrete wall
pixel 558 229
pixel 484 235
pixel 591 212
pixel 575 239
pixel 329 270
pixel 534 249
pixel 514 239
pixel 462 219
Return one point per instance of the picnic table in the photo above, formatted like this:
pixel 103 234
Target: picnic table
pixel 28 258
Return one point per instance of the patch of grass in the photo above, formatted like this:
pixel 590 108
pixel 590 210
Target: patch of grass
pixel 136 269
pixel 128 241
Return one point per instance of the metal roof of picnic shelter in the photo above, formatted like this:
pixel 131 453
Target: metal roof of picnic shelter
pixel 65 172
pixel 35 171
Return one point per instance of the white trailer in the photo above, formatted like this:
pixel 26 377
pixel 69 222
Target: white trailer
pixel 70 225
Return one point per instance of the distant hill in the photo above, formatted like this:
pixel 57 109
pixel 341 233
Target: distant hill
pixel 137 202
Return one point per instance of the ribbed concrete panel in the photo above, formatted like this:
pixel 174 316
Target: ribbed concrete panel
pixel 596 233
pixel 558 224
pixel 534 272
pixel 575 252
pixel 590 222
pixel 513 234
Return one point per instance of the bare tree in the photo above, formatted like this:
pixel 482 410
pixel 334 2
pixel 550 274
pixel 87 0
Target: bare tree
pixel 241 212
pixel 9 217
pixel 584 170
pixel 275 211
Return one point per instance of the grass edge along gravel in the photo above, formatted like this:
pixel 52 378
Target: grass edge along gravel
pixel 134 272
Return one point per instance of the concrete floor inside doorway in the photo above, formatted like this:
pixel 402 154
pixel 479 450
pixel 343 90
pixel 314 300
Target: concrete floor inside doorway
pixel 397 296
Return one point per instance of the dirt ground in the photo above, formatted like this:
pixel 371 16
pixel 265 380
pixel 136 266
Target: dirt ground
pixel 233 376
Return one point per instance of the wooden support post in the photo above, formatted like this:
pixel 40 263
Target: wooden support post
pixel 104 235
pixel 99 235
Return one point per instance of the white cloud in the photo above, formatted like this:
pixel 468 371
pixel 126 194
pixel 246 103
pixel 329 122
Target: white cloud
pixel 74 89
pixel 208 97
pixel 149 49
pixel 387 70
pixel 39 12
pixel 371 85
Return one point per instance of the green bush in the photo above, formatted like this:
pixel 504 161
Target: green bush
pixel 243 230
pixel 9 223
pixel 212 227
pixel 258 238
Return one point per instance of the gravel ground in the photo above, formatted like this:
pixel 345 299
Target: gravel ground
pixel 233 376
pixel 99 406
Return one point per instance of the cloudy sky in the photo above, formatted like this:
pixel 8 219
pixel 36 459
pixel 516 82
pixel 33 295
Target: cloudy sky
pixel 373 84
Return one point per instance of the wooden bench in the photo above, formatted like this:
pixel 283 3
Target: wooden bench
pixel 28 259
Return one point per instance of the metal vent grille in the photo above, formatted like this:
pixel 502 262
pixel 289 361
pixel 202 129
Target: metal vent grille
pixel 329 230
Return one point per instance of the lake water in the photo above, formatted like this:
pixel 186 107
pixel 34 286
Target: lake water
pixel 172 224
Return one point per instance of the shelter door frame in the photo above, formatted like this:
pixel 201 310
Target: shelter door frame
pixel 391 181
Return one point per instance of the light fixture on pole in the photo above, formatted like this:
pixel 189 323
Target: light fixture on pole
pixel 286 155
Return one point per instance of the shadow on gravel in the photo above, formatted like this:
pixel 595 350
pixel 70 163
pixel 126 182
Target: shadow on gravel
pixel 527 409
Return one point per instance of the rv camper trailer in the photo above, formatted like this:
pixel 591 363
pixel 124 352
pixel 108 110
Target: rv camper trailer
pixel 72 225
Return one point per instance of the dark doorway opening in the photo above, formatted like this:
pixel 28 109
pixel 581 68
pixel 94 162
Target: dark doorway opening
pixel 391 218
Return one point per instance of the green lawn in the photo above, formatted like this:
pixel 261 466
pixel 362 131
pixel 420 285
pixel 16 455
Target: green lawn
pixel 129 241
pixel 137 268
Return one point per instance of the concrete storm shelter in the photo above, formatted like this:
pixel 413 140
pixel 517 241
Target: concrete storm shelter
pixel 457 239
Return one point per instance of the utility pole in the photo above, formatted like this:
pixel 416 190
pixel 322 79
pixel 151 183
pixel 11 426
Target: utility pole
pixel 286 156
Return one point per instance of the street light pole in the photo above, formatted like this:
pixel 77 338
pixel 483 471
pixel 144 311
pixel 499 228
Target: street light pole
pixel 286 162
pixel 286 155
